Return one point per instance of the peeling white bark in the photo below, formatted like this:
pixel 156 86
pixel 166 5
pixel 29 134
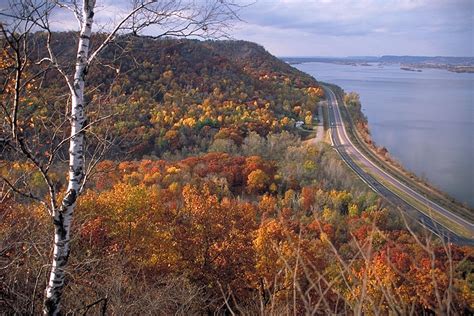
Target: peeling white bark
pixel 184 18
pixel 63 215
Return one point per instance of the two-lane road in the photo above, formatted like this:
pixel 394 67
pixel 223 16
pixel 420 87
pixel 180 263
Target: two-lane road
pixel 350 154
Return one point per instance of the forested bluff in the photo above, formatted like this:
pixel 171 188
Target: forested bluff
pixel 207 199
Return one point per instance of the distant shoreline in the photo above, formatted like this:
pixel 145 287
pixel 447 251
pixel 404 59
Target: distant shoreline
pixel 408 63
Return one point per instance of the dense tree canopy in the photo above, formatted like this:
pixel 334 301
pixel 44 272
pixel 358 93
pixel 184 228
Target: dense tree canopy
pixel 210 202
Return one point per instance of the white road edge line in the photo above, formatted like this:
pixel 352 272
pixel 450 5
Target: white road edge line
pixel 391 177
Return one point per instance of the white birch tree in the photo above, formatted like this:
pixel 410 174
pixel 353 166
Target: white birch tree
pixel 204 18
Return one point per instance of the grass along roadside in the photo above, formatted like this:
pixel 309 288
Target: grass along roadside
pixel 325 116
pixel 400 175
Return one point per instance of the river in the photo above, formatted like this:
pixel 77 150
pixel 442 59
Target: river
pixel 425 119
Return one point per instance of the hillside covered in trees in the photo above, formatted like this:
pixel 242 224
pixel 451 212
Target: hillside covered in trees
pixel 176 95
pixel 205 199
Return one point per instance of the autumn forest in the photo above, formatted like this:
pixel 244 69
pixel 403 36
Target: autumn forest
pixel 202 194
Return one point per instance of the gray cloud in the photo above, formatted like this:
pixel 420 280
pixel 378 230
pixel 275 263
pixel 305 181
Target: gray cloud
pixel 429 27
pixel 338 27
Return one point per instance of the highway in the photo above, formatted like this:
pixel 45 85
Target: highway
pixel 351 154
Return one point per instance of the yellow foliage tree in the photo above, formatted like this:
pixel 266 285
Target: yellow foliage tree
pixel 257 181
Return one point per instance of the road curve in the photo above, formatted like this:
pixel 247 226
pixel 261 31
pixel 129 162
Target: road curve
pixel 349 152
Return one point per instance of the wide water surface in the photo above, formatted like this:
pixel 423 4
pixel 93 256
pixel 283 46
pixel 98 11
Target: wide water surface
pixel 425 119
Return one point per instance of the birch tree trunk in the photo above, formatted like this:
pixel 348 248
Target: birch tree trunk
pixel 63 215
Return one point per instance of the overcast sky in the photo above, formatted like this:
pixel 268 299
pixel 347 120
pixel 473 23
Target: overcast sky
pixel 360 27
pixel 339 27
